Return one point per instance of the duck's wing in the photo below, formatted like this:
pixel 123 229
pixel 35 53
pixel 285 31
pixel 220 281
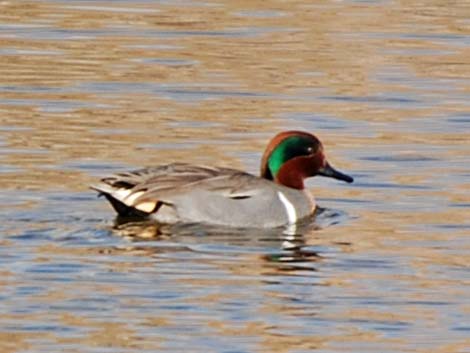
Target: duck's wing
pixel 146 190
pixel 164 176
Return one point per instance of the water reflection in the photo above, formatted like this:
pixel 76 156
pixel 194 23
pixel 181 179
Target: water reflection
pixel 285 238
pixel 285 248
pixel 91 88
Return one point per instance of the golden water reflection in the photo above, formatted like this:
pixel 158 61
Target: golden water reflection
pixel 88 88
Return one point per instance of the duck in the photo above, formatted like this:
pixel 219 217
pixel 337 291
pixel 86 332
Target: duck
pixel 187 193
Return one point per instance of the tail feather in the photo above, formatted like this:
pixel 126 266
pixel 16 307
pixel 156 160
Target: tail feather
pixel 120 207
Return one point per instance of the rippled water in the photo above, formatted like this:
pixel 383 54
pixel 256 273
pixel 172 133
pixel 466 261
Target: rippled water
pixel 92 87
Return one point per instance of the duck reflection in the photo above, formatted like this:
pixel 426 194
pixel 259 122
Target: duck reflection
pixel 284 248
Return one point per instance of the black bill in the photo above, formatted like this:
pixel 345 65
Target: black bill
pixel 330 172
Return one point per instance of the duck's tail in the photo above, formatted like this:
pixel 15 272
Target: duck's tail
pixel 115 198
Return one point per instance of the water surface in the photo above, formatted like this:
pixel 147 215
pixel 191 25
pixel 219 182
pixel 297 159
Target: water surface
pixel 88 88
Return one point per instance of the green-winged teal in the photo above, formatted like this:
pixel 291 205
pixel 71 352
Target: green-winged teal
pixel 188 193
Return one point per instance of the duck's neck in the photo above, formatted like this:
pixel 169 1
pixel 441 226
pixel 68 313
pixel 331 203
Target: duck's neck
pixel 291 174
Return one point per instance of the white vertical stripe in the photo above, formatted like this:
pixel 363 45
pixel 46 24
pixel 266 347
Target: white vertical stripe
pixel 290 209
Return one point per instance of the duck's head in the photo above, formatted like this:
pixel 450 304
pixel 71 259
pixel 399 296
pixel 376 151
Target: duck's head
pixel 292 156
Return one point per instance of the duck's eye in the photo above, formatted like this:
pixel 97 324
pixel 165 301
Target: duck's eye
pixel 310 150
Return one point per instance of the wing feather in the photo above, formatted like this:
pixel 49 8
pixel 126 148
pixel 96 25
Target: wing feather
pixel 145 189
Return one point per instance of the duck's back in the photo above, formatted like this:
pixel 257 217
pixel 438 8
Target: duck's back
pixel 189 193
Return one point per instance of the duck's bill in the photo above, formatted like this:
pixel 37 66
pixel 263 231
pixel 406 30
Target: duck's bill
pixel 330 172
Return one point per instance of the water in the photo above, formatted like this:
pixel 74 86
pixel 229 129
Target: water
pixel 88 88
